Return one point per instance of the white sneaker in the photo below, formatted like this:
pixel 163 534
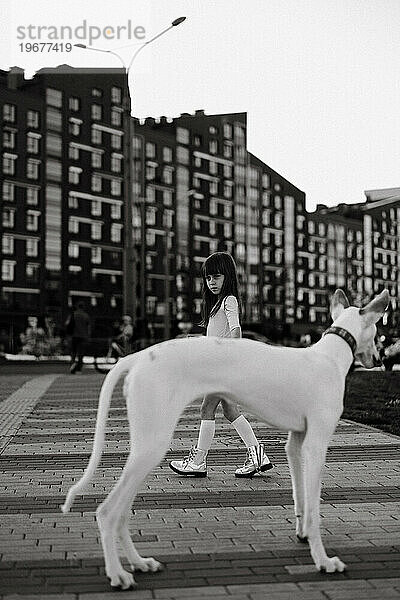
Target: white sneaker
pixel 256 461
pixel 195 464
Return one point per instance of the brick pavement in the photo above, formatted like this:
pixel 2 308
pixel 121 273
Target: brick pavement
pixel 218 537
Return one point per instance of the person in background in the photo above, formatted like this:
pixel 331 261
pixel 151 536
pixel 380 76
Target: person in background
pixel 80 333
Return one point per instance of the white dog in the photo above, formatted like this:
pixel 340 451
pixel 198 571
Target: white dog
pixel 299 390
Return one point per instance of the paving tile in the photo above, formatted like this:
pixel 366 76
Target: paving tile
pixel 219 537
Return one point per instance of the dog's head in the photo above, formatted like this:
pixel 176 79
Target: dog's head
pixel 361 323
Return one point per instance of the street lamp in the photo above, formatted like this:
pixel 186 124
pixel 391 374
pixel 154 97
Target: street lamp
pixel 130 259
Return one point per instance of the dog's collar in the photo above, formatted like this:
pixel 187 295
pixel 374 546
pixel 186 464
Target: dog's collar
pixel 345 335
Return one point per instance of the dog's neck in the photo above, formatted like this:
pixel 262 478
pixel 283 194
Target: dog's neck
pixel 345 335
pixel 341 346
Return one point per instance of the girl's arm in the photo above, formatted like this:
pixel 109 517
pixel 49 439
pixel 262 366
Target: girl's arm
pixel 231 309
pixel 236 333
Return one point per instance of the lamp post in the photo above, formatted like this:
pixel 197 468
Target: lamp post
pixel 130 258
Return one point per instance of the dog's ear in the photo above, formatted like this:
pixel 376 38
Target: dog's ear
pixel 338 303
pixel 375 309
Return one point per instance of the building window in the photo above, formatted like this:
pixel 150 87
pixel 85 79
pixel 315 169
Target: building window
pixel 73 225
pixel 32 247
pixel 116 233
pixel 213 167
pixel 9 164
pixel 8 139
pixel 182 155
pixel 74 127
pixel 54 119
pixel 96 136
pixel 96 255
pixel 73 153
pixel 227 191
pixel 96 231
pixel 54 97
pixel 74 104
pixel 150 216
pixel 228 131
pixel 54 170
pixel 96 160
pixel 97 93
pixel 278 202
pixel 227 150
pixel 95 208
pixel 167 154
pixel 213 188
pixel 116 95
pixel 32 221
pixel 150 150
pixel 7 270
pixel 197 140
pixel 74 174
pixel 116 187
pixel 167 197
pixel 116 117
pixel 73 250
pixel 73 202
pixel 32 119
pixel 96 183
pixel 32 144
pixel 32 272
pixel 8 191
pixel 116 141
pixel 150 172
pixel 32 170
pixel 167 175
pixel 115 211
pixel 182 135
pixel 8 244
pixel 213 146
pixel 32 196
pixel 53 144
pixel 9 113
pixel 96 111
pixel 116 163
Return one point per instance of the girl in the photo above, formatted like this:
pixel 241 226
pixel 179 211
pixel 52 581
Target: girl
pixel 220 314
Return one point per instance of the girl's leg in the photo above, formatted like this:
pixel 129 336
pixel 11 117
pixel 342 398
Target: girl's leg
pixel 195 464
pixel 245 431
pixel 207 423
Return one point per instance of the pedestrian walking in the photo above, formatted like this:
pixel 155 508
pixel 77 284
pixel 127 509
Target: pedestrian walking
pixel 78 326
pixel 221 317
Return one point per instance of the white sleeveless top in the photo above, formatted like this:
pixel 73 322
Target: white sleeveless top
pixel 225 319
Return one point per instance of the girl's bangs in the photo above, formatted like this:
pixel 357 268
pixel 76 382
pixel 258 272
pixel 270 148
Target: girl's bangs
pixel 215 264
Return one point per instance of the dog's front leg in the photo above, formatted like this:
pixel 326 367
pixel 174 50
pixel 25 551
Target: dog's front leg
pixel 293 453
pixel 314 452
pixel 107 522
pixel 135 560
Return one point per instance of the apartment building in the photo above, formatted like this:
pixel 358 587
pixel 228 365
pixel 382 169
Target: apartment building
pixel 62 193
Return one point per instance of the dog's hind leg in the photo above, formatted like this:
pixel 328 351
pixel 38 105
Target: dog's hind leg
pixel 112 512
pixel 293 453
pixel 313 452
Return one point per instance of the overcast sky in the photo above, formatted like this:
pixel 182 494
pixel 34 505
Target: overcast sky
pixel 319 79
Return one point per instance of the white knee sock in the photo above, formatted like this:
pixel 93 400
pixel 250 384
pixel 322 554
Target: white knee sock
pixel 206 434
pixel 245 431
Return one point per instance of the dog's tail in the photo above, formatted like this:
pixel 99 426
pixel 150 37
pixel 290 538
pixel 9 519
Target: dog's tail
pixel 104 405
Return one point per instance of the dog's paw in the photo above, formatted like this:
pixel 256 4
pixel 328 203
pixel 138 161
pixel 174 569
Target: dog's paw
pixel 331 565
pixel 121 580
pixel 148 564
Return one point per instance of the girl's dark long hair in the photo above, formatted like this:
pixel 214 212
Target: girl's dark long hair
pixel 220 263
